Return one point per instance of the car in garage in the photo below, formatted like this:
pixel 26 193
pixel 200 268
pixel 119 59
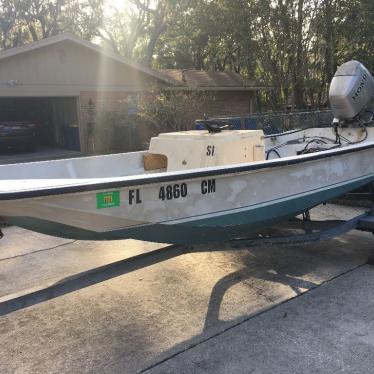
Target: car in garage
pixel 18 135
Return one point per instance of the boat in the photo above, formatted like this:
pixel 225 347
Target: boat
pixel 201 185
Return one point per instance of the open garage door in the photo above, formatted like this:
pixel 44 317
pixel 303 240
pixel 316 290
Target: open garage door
pixel 56 119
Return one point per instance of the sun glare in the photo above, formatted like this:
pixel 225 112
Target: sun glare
pixel 112 6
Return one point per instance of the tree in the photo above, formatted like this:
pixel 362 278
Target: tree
pixel 10 23
pixel 214 35
pixel 22 21
pixel 145 22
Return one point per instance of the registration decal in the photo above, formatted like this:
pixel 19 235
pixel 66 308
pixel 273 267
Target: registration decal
pixel 107 199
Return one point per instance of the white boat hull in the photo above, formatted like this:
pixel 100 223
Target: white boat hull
pixel 208 204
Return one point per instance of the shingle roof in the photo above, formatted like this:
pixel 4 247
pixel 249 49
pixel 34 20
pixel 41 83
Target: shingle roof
pixel 203 79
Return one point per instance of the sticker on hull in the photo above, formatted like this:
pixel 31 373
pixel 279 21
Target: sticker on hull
pixel 107 199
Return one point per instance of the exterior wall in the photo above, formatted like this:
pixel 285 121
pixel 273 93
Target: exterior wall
pixel 230 103
pixel 221 103
pixel 65 69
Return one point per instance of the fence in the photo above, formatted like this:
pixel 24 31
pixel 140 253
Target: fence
pixel 273 122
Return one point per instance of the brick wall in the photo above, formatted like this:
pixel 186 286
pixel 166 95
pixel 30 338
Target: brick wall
pixel 222 103
pixel 229 103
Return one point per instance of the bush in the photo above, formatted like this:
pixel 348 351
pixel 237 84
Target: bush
pixel 104 128
pixel 140 118
pixel 168 110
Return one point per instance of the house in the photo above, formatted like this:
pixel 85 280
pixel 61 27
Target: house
pixel 62 82
pixel 59 82
pixel 231 93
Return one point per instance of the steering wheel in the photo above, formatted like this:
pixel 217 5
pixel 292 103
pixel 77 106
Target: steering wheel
pixel 216 126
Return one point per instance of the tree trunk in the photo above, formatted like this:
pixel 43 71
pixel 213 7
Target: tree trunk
pixel 298 71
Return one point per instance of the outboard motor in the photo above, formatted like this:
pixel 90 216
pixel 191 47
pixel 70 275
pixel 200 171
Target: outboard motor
pixel 351 91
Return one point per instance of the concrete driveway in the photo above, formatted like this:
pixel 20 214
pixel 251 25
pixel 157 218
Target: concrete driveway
pixel 267 309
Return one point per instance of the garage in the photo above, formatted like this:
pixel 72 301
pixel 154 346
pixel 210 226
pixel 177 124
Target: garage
pixel 55 119
pixel 63 84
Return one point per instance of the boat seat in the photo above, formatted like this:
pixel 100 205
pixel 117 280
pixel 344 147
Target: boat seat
pixel 199 149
